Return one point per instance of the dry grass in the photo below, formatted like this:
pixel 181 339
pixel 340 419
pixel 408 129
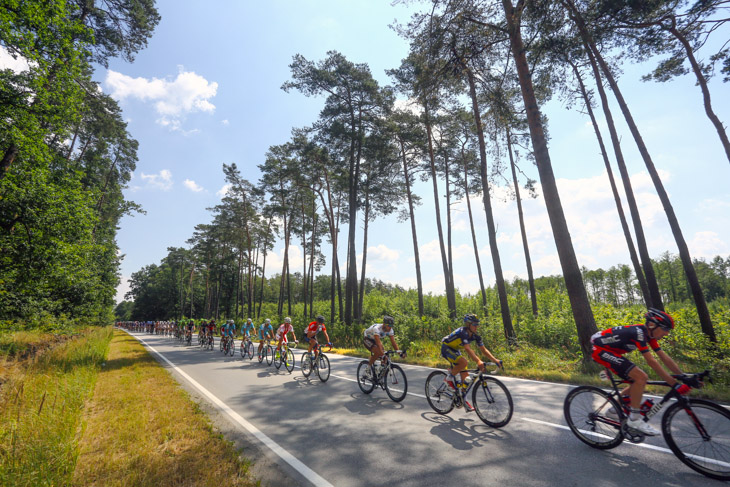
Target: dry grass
pixel 142 429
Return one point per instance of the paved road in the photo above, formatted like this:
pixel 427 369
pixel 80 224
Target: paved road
pixel 332 434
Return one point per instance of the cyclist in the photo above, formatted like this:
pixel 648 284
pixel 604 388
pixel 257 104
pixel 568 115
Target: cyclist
pixel 266 332
pixel 283 330
pixel 310 333
pixel 189 329
pixel 373 340
pixel 451 346
pixel 248 329
pixel 610 345
pixel 228 330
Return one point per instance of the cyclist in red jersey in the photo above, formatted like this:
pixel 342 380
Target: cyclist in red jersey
pixel 610 345
pixel 310 333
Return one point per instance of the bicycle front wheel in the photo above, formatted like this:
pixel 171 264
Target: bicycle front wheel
pixel 439 395
pixel 364 377
pixel 231 347
pixel 306 364
pixel 323 367
pixel 262 354
pixel 492 401
pixel 249 349
pixel 242 349
pixel 396 384
pixel 269 354
pixel 700 436
pixel 588 411
pixel 278 358
pixel 289 360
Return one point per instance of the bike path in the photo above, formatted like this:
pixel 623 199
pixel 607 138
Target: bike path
pixel 347 438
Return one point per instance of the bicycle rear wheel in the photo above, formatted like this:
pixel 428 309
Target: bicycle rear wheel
pixel 586 409
pixel 492 401
pixel 396 384
pixel 323 367
pixel 439 396
pixel 700 436
pixel 289 360
pixel 365 377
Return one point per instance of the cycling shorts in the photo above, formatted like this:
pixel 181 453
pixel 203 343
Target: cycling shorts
pixel 450 354
pixel 618 364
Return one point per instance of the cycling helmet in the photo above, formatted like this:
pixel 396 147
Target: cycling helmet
pixel 267 321
pixel 230 322
pixel 287 320
pixel 388 320
pixel 471 318
pixel 248 320
pixel 320 319
pixel 660 319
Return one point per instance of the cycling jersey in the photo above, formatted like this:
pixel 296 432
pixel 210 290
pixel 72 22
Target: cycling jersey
pixel 282 331
pixel 377 329
pixel 264 330
pixel 461 337
pixel 247 328
pixel 624 339
pixel 315 328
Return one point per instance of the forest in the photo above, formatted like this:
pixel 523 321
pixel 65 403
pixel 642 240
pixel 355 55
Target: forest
pixel 473 82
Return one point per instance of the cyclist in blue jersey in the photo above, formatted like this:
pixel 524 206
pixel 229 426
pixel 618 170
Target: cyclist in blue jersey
pixel 248 329
pixel 451 347
pixel 266 332
pixel 610 345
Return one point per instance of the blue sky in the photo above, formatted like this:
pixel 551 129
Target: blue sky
pixel 206 91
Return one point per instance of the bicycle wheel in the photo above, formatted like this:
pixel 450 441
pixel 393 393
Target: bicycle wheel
pixel 306 365
pixel 323 367
pixel 277 358
pixel 220 344
pixel 211 343
pixel 249 349
pixel 365 377
pixel 585 411
pixel 262 354
pixel 231 347
pixel 492 402
pixel 700 436
pixel 396 384
pixel 269 354
pixel 289 360
pixel 439 395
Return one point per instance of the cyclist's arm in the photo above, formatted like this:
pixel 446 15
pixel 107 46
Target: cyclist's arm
pixel 326 336
pixel 488 354
pixel 392 342
pixel 471 353
pixel 668 362
pixel 651 362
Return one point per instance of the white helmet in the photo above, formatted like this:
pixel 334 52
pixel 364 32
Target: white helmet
pixel 267 321
pixel 287 320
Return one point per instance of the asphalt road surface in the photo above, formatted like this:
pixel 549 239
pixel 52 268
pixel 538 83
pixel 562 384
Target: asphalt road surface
pixel 331 434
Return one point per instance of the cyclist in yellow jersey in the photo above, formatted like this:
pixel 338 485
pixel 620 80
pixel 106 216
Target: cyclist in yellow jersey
pixel 460 339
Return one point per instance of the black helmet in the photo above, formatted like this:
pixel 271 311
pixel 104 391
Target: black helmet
pixel 471 318
pixel 388 320
pixel 320 319
pixel 659 318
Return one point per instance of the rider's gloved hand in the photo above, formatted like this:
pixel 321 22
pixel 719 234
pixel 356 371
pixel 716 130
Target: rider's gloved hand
pixel 500 364
pixel 329 344
pixel 682 388
pixel 402 353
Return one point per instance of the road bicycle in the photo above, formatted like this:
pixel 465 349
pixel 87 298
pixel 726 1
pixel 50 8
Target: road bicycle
pixel 209 340
pixel 317 362
pixel 284 356
pixel 266 352
pixel 247 348
pixel 228 345
pixel 383 373
pixel 188 337
pixel 696 430
pixel 489 396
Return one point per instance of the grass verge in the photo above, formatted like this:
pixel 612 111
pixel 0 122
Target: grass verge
pixel 41 400
pixel 142 429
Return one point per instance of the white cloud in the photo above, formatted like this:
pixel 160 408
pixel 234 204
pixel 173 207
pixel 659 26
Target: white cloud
pixel 223 191
pixel 162 181
pixel 173 99
pixel 16 65
pixel 225 122
pixel 708 245
pixel 382 253
pixel 192 186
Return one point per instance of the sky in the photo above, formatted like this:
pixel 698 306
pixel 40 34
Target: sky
pixel 206 91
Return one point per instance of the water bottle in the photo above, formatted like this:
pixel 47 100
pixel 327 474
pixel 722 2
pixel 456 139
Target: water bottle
pixel 378 368
pixel 646 406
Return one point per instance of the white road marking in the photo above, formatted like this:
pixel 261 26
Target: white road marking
pixel 307 472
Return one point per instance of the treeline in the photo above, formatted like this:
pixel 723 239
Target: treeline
pixel 475 78
pixel 65 156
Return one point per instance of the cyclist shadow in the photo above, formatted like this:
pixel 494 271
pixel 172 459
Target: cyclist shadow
pixel 301 382
pixel 366 405
pixel 463 433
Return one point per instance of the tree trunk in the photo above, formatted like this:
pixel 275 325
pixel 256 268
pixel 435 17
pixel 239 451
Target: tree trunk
pixel 523 231
pixel 474 238
pixel 702 311
pixel 419 282
pixel 361 297
pixel 581 307
pixel 627 184
pixel 8 160
pixel 450 295
pixel 509 331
